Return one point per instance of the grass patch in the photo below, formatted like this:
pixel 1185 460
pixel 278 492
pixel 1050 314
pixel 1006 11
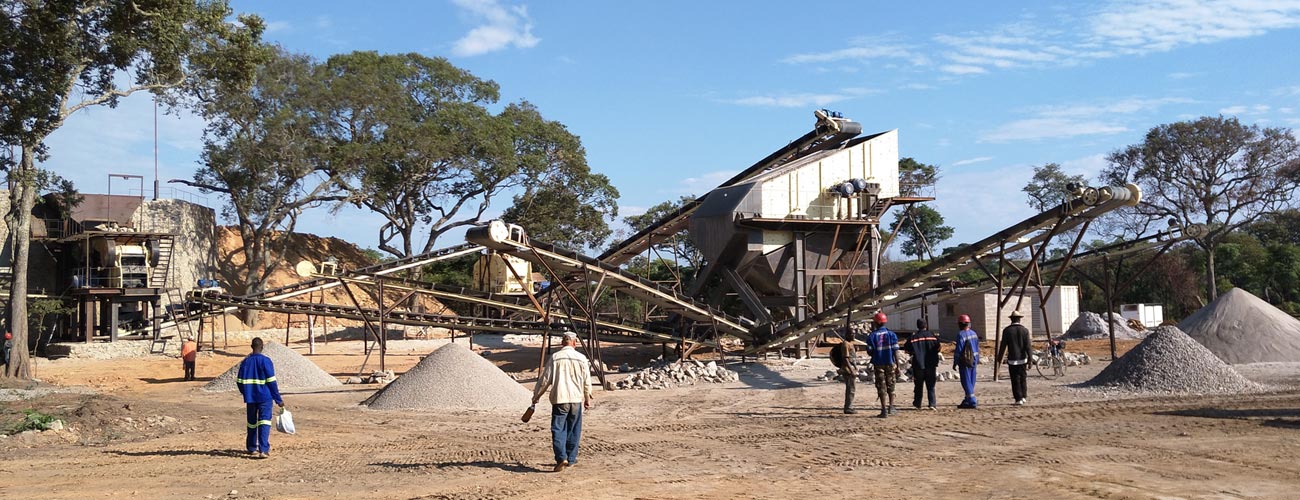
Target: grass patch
pixel 32 421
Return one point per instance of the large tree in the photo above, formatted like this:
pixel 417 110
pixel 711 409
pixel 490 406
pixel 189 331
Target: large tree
pixel 560 200
pixel 62 56
pixel 415 142
pixel 1212 171
pixel 677 249
pixel 916 178
pixel 1048 187
pixel 406 133
pixel 261 149
pixel 923 229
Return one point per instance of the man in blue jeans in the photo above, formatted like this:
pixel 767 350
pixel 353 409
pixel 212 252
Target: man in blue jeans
pixel 256 382
pixel 568 377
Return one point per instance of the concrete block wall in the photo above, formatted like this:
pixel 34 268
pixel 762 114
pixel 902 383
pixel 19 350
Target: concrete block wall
pixel 194 251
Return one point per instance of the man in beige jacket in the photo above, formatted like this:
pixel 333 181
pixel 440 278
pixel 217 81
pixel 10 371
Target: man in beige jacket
pixel 568 376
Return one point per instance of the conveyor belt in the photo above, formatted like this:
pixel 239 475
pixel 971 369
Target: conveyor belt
pixel 513 303
pixel 566 262
pixel 943 269
pixel 617 332
pixel 1131 247
pixel 325 283
pixel 827 133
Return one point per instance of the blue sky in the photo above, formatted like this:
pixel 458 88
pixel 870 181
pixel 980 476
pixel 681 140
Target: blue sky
pixel 672 97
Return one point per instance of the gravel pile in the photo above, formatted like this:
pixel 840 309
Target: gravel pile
pixel 1169 361
pixel 292 371
pixel 1090 325
pixel 452 378
pixel 1242 328
pixel 663 375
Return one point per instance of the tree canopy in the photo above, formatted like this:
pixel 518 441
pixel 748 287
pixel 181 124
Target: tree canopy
pixel 923 230
pixel 1213 171
pixel 63 56
pixel 1048 187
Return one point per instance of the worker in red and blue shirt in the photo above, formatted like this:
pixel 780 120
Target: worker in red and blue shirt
pixel 882 345
pixel 967 340
pixel 256 381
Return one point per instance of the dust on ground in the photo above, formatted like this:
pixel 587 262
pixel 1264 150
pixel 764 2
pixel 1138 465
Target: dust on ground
pixel 777 433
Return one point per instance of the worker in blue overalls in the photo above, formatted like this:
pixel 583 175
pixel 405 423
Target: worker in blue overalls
pixel 967 342
pixel 256 381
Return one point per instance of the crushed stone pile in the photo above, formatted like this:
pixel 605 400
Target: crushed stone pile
pixel 665 374
pixel 1169 361
pixel 452 378
pixel 1239 327
pixel 292 371
pixel 1090 325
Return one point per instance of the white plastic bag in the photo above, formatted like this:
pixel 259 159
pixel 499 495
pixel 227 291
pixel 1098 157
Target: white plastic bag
pixel 284 423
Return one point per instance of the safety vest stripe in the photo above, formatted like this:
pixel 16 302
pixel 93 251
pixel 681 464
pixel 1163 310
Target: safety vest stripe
pixel 259 423
pixel 254 381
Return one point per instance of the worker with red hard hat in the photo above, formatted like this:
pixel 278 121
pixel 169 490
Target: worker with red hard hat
pixel 882 345
pixel 8 346
pixel 965 358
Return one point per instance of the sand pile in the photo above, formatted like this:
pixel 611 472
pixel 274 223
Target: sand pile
pixel 292 371
pixel 1090 325
pixel 1242 328
pixel 1169 361
pixel 452 378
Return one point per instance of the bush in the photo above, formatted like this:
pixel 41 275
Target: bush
pixel 32 420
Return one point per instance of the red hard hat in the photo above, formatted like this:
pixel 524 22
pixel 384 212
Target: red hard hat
pixel 880 318
pixel 963 319
pixel 8 336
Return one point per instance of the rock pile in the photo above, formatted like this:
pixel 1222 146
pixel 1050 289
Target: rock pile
pixel 452 378
pixel 1241 328
pixel 665 374
pixel 1090 325
pixel 292 371
pixel 1169 361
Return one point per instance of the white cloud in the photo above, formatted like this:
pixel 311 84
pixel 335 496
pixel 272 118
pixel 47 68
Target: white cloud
pixel 1183 75
pixel 1049 128
pixel 969 161
pixel 918 86
pixel 502 26
pixel 1073 120
pixel 1118 28
pixel 962 69
pixel 324 22
pixel 853 53
pixel 702 184
pixel 1088 166
pixel 1257 109
pixel 801 100
pixel 1163 25
pixel 277 26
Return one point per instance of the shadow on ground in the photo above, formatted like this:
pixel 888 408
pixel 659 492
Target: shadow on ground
pixel 180 453
pixel 1287 418
pixel 481 464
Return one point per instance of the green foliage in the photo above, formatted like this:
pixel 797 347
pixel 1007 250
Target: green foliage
pixel 32 421
pixel 375 255
pixel 915 177
pixel 1212 171
pixel 39 309
pixel 679 247
pixel 1047 188
pixel 923 229
pixel 452 272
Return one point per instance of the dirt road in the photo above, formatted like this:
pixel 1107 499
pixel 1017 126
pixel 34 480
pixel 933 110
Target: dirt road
pixel 776 434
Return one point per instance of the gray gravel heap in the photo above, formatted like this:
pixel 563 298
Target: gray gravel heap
pixel 292 371
pixel 1169 361
pixel 1242 328
pixel 1090 325
pixel 452 378
pixel 665 374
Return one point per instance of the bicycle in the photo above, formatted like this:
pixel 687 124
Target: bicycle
pixel 1051 364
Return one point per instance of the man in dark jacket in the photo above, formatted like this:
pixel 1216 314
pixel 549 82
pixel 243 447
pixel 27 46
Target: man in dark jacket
pixel 924 348
pixel 256 382
pixel 845 358
pixel 1016 350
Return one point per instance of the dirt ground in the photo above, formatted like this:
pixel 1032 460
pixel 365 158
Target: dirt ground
pixel 778 433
